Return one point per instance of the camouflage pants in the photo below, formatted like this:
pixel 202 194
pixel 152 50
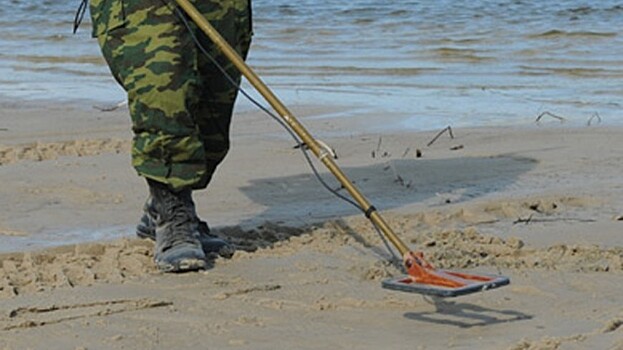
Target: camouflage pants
pixel 180 103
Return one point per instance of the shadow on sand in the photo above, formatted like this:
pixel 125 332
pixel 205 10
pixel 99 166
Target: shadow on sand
pixel 293 203
pixel 465 315
pixel 387 185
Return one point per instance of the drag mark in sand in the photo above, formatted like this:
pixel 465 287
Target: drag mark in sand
pixel 30 317
pixel 265 288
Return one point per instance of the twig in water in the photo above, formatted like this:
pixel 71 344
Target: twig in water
pixel 594 116
pixel 550 114
pixel 448 129
pixel 456 148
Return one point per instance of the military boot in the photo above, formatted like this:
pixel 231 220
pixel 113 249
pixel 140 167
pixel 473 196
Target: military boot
pixel 178 248
pixel 210 243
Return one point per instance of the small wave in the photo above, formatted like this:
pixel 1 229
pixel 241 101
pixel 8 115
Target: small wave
pixel 576 12
pixel 347 70
pixel 580 72
pixel 364 21
pixel 449 41
pixel 361 11
pixel 30 36
pixel 399 13
pixel 582 10
pixel 457 54
pixel 555 33
pixel 287 10
pixel 59 70
pixel 96 60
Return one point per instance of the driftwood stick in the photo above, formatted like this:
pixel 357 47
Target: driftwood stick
pixel 593 117
pixel 448 129
pixel 550 114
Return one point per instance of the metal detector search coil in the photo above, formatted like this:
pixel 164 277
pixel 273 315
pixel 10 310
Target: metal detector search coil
pixel 407 284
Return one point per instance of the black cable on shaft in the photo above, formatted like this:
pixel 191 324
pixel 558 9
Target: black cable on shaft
pixel 299 144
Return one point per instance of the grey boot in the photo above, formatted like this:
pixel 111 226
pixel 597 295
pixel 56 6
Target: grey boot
pixel 210 243
pixel 178 248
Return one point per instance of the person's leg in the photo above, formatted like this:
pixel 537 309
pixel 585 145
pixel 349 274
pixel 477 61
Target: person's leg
pixel 215 106
pixel 151 55
pixel 218 89
pixel 155 60
pixel 219 86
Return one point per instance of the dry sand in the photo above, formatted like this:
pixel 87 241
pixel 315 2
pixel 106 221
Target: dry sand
pixel 540 204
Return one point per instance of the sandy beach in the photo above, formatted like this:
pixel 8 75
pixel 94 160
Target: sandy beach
pixel 542 204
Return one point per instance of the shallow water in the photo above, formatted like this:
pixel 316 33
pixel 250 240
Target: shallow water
pixel 431 64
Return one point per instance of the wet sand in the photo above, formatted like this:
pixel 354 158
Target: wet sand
pixel 541 204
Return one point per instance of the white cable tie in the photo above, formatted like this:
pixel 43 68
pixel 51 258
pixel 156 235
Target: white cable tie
pixel 327 149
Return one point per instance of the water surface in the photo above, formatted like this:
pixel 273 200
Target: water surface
pixel 428 63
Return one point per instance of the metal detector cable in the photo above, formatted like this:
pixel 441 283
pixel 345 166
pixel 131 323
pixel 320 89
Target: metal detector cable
pixel 263 108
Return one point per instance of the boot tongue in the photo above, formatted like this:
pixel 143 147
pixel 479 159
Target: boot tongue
pixel 171 205
pixel 178 221
pixel 177 208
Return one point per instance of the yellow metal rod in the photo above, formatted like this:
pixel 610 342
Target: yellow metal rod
pixel 289 118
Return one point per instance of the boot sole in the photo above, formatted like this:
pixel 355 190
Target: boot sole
pixel 184 265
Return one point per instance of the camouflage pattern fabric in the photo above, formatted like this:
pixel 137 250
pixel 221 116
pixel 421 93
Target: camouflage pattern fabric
pixel 180 103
